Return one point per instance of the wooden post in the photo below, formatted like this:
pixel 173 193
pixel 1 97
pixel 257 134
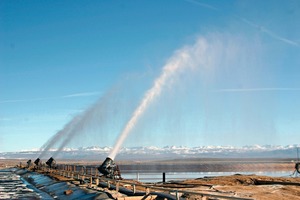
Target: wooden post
pixel 117 186
pixel 134 189
pixel 164 177
pixel 147 191
pixel 176 194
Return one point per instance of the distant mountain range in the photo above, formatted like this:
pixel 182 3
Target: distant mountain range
pixel 167 152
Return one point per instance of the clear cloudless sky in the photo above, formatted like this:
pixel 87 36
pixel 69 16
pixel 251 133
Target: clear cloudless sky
pixel 57 58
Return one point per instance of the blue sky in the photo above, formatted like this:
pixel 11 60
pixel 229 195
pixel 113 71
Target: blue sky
pixel 59 58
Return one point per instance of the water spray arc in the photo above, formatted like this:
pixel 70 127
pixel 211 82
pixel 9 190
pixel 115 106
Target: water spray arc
pixel 96 114
pixel 57 137
pixel 187 57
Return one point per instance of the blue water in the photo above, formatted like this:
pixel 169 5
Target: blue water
pixel 176 176
pixel 12 186
pixel 22 184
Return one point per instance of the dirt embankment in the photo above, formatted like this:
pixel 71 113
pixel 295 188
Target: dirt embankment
pixel 245 186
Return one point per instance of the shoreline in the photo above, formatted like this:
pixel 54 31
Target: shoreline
pixel 179 165
pixel 238 185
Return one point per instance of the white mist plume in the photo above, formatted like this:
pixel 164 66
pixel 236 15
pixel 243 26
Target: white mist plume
pixel 96 114
pixel 187 57
pixel 59 136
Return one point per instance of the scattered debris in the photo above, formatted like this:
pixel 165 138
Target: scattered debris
pixel 68 192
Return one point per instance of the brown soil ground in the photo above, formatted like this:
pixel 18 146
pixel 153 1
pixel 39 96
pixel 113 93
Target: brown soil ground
pixel 245 186
pixel 242 186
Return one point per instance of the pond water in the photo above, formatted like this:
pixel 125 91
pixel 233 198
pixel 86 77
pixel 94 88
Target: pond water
pixel 13 186
pixel 176 176
pixel 23 184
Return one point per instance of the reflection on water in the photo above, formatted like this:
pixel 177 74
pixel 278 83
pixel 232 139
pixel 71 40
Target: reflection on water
pixel 23 184
pixel 175 176
pixel 13 187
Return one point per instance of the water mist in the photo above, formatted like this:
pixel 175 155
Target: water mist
pixel 95 115
pixel 187 57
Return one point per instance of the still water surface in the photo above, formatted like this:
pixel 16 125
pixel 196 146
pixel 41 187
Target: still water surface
pixel 176 176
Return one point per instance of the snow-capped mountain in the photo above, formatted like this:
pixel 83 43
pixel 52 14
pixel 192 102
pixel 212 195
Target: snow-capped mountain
pixel 167 152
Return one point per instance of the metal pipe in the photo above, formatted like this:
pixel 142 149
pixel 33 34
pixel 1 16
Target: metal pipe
pixel 110 169
pixel 50 162
pixel 37 162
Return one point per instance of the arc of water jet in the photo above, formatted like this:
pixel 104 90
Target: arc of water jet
pixel 181 59
pixel 77 124
pixel 58 136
